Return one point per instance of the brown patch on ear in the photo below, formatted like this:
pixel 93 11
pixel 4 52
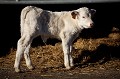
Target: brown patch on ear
pixel 74 14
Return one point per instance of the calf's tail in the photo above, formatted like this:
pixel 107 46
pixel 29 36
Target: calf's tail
pixel 24 13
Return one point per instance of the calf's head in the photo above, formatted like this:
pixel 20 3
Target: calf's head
pixel 83 16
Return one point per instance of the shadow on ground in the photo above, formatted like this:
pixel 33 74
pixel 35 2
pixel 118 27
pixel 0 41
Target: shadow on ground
pixel 101 55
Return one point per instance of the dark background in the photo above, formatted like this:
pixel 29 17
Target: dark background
pixel 106 17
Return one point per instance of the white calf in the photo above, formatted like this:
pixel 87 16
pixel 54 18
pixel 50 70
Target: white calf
pixel 65 26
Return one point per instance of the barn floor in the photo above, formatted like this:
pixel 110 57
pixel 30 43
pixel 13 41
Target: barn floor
pixel 96 58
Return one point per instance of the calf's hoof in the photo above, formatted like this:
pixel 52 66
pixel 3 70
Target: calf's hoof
pixel 31 67
pixel 17 70
pixel 68 67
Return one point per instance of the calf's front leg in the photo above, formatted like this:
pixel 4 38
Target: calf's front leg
pixel 71 59
pixel 66 51
pixel 67 48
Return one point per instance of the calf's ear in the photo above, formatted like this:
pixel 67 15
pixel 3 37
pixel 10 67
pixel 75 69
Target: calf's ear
pixel 93 11
pixel 74 14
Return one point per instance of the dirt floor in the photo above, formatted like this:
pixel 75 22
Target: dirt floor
pixel 93 58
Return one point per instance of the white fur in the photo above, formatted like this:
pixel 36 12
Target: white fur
pixel 61 25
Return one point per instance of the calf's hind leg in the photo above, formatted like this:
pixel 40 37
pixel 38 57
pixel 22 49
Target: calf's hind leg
pixel 27 57
pixel 23 43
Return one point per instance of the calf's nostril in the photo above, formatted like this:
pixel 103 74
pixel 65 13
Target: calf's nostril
pixel 91 24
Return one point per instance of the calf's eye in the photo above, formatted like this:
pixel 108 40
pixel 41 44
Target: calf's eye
pixel 83 17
